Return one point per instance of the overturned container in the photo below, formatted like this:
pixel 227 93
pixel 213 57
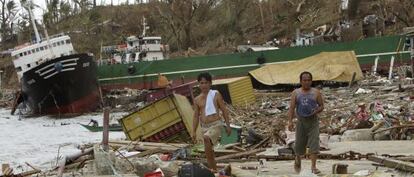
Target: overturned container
pixel 165 120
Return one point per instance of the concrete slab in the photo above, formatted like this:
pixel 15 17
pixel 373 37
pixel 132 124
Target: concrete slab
pixel 285 168
pixel 379 147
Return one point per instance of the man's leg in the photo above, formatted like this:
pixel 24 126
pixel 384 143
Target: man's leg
pixel 313 158
pixel 300 145
pixel 298 163
pixel 208 149
pixel 313 143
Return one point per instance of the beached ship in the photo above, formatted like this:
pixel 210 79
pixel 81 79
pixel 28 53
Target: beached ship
pixel 54 79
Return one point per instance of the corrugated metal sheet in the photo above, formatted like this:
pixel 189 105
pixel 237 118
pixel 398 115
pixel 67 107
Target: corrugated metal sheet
pixel 158 116
pixel 240 90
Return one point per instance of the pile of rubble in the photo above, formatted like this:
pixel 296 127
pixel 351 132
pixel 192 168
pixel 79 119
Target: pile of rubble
pixel 7 98
pixel 373 109
pixel 127 99
pixel 388 105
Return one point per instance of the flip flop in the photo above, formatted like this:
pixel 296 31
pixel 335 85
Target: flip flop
pixel 316 171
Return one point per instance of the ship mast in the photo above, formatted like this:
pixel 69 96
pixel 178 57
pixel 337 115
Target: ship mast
pixel 144 24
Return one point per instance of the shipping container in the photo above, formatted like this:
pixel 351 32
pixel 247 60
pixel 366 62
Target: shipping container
pixel 236 91
pixel 162 121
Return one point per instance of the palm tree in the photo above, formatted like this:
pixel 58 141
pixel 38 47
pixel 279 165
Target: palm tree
pixel 8 15
pixel 65 9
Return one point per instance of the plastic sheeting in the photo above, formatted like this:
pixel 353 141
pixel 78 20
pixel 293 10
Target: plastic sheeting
pixel 325 66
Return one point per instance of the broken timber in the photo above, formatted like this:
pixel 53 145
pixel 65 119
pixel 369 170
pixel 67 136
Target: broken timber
pixel 143 146
pixel 400 126
pixel 146 153
pixel 261 143
pixel 392 163
pixel 240 154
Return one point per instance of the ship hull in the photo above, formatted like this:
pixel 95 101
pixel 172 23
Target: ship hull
pixel 143 75
pixel 62 86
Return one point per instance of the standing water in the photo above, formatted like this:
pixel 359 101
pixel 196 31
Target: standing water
pixel 38 140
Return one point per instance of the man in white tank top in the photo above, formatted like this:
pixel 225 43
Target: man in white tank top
pixel 209 111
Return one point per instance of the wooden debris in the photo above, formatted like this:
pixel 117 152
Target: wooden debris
pixel 240 154
pixel 377 126
pixel 221 151
pixel 105 132
pixel 261 143
pixel 31 166
pixel 230 146
pixel 238 148
pixel 73 157
pixel 395 127
pixel 79 164
pixel 393 163
pixel 300 5
pixel 146 153
pixel 224 151
pixel 61 167
pixel 176 145
pixel 28 173
pixel 407 158
pixel 6 170
pixel 144 146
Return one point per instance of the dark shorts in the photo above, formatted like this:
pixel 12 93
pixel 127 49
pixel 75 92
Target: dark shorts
pixel 307 135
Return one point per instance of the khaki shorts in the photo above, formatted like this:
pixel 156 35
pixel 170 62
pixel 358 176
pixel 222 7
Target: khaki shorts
pixel 213 131
pixel 307 135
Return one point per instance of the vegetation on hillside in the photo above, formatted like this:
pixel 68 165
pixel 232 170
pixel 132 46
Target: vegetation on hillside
pixel 205 26
pixel 191 27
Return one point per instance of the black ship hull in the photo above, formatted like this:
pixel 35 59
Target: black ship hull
pixel 62 86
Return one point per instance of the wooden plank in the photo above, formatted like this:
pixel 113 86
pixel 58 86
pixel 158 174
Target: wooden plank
pixel 407 158
pixel 31 166
pixel 5 168
pixel 75 156
pixel 240 154
pixel 77 165
pixel 393 163
pixel 23 174
pixel 260 143
pixel 105 132
pixel 162 149
pixel 146 153
pixel 377 126
pixel 238 148
pixel 220 151
pixel 230 146
pixel 29 173
pixel 399 126
pixel 179 145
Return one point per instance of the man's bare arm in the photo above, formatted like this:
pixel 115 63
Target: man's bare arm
pixel 223 108
pixel 319 99
pixel 291 113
